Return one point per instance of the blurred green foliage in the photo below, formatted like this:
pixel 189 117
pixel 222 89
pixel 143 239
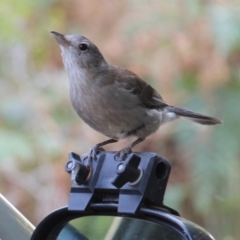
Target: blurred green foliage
pixel 188 50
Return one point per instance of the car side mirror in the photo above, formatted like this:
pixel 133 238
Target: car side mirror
pixel 118 200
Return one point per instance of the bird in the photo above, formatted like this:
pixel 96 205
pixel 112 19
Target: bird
pixel 114 101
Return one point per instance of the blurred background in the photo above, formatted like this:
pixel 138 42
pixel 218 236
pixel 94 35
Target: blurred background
pixel 188 50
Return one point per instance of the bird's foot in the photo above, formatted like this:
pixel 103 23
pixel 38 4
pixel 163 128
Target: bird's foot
pixel 121 155
pixel 92 153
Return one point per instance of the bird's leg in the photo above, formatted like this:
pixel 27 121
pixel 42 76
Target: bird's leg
pixel 123 153
pixel 94 149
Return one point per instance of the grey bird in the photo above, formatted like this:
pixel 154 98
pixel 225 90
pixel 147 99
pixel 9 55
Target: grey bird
pixel 112 100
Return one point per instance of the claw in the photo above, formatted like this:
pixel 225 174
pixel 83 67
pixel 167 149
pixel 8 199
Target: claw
pixel 91 155
pixel 121 155
pixel 125 151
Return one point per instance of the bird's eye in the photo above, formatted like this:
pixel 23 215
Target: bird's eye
pixel 83 46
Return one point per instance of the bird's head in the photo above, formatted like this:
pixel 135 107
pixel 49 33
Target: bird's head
pixel 78 52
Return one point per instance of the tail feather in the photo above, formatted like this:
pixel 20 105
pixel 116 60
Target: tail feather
pixel 195 117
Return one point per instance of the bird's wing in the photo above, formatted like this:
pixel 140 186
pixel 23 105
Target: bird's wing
pixel 147 95
pixel 151 98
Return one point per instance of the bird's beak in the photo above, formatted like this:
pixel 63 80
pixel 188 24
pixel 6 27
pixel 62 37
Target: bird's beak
pixel 60 39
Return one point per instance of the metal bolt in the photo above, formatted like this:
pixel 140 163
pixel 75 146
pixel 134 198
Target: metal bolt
pixel 120 167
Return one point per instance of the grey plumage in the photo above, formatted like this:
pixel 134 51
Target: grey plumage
pixel 113 100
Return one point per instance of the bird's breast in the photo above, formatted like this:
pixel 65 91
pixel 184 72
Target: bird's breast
pixel 97 107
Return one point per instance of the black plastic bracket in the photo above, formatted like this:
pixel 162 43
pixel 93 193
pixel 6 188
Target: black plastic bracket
pixel 140 179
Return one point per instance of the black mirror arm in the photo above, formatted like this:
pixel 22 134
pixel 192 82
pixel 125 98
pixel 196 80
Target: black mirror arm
pixel 140 180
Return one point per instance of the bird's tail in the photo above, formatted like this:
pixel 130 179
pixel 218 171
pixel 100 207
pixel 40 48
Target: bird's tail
pixel 195 117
